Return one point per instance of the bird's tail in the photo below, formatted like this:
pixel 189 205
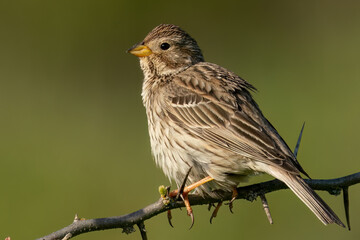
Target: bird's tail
pixel 307 195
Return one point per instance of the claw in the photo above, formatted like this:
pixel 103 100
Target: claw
pixel 192 220
pixel 169 217
pixel 189 210
pixel 234 196
pixel 183 192
pixel 231 205
pixel 216 210
pixel 210 205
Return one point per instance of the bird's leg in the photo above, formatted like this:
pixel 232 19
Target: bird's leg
pixel 176 194
pixel 191 187
pixel 183 192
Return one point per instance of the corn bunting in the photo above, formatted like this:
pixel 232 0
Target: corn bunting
pixel 202 116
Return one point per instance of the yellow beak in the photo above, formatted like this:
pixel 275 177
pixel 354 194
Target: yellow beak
pixel 140 50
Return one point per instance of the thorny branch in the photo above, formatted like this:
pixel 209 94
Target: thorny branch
pixel 251 192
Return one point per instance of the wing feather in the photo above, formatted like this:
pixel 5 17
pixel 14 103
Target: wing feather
pixel 219 109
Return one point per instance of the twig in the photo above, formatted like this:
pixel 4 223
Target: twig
pixel 142 230
pixel 266 208
pixel 251 192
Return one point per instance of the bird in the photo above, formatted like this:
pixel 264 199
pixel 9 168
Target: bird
pixel 203 117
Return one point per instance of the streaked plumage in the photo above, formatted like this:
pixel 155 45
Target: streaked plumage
pixel 203 116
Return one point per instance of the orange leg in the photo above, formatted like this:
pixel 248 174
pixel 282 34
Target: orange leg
pixel 183 192
pixel 191 187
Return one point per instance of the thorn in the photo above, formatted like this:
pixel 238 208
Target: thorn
pixel 216 210
pixel 76 218
pixel 346 205
pixel 299 140
pixel 181 189
pixel 184 191
pixel 168 190
pixel 141 226
pixel 296 150
pixel 67 236
pixel 169 217
pixel 266 208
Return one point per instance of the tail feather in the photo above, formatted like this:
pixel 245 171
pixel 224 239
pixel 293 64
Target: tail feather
pixel 311 199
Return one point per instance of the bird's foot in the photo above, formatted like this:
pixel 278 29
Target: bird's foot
pixel 183 193
pixel 234 196
pixel 215 212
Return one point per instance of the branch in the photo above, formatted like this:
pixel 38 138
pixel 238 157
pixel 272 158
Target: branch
pixel 251 192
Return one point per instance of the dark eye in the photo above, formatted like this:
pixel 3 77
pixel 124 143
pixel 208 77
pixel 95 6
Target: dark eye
pixel 165 46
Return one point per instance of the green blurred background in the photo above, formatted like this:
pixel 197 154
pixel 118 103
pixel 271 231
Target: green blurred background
pixel 73 135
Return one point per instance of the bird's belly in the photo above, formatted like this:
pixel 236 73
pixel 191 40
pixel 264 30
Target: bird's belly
pixel 175 151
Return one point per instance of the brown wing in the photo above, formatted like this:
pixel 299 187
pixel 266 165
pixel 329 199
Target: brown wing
pixel 215 105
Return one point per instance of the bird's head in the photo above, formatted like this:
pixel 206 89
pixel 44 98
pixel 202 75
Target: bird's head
pixel 166 50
